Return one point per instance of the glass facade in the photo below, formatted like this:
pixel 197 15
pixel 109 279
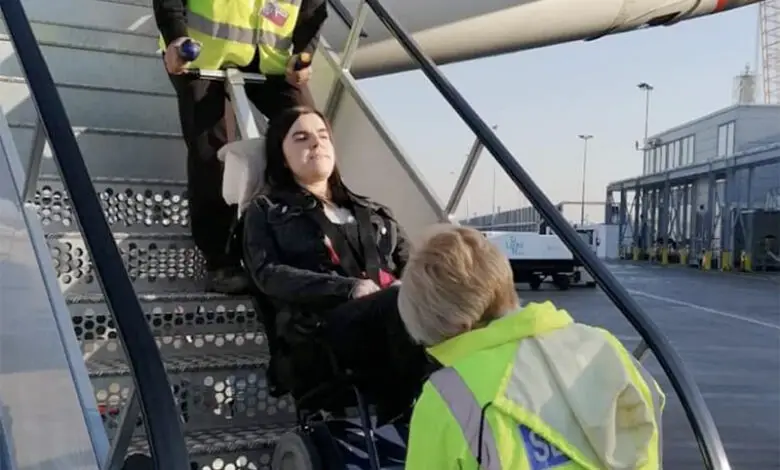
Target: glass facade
pixel 681 152
pixel 726 139
pixel 671 155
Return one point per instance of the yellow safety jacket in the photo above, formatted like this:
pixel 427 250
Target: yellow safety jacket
pixel 533 391
pixel 232 30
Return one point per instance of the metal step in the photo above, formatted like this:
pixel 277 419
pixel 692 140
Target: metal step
pixel 95 106
pixel 156 263
pixel 187 364
pixel 95 58
pixel 112 152
pixel 140 206
pixel 212 390
pixel 143 3
pixel 93 14
pixel 181 324
pixel 247 448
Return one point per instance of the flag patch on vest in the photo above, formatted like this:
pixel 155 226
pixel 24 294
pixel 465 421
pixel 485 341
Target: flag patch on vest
pixel 274 13
pixel 541 454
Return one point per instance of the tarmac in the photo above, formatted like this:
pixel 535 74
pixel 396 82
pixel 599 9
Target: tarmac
pixel 726 328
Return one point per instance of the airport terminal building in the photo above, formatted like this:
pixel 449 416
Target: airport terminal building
pixel 710 186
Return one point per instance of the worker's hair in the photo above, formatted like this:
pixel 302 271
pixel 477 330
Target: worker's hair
pixel 456 280
pixel 277 174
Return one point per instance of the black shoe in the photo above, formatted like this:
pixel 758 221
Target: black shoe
pixel 227 281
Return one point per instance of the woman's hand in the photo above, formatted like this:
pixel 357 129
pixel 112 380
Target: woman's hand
pixel 364 287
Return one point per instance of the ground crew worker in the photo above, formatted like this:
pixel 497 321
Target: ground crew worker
pixel 520 388
pixel 258 36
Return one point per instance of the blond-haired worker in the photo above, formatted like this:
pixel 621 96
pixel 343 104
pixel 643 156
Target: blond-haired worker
pixel 522 388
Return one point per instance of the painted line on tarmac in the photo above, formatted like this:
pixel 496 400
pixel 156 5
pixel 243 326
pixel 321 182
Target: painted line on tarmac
pixel 721 313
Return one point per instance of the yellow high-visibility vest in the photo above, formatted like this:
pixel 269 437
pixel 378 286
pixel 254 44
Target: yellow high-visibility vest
pixel 230 32
pixel 494 405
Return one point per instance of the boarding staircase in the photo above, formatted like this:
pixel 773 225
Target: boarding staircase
pixel 110 79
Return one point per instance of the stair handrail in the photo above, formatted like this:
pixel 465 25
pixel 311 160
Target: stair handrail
pixel 699 416
pixel 161 415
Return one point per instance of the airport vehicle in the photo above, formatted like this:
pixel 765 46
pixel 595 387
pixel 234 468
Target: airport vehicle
pixel 537 257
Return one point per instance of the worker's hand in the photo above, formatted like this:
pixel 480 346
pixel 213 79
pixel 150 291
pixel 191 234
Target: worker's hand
pixel 297 77
pixel 174 64
pixel 363 288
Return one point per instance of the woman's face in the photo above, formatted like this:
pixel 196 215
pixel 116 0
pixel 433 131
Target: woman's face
pixel 308 150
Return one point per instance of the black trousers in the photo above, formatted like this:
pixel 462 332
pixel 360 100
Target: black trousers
pixel 202 115
pixel 367 337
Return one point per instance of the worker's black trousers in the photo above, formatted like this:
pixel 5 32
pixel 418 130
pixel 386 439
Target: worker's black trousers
pixel 202 115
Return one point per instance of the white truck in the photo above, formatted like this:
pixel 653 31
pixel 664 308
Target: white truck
pixel 536 258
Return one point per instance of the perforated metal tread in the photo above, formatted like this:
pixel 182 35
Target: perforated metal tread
pixel 155 262
pixel 184 364
pixel 162 297
pixel 224 441
pixel 168 314
pixel 139 205
pixel 124 236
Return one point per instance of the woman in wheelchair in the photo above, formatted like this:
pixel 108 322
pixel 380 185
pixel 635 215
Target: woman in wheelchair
pixel 328 260
pixel 522 388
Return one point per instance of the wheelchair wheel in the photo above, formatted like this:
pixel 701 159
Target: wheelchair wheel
pixel 295 451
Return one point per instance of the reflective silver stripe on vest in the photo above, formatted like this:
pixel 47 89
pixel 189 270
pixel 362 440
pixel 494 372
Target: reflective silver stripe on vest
pixel 236 33
pixel 657 403
pixel 466 410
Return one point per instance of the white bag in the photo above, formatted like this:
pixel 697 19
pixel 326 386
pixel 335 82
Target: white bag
pixel 244 174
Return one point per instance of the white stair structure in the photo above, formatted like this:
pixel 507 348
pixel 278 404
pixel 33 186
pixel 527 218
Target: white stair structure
pixel 102 56
pixel 124 114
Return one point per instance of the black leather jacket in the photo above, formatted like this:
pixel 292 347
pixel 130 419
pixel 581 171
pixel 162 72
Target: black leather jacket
pixel 286 256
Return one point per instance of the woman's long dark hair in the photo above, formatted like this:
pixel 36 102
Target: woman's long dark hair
pixel 277 174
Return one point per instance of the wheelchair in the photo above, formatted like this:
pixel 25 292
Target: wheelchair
pixel 334 427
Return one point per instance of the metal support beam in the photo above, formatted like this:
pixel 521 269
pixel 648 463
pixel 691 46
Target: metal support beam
pixel 686 213
pixel 637 220
pixel 729 206
pixel 664 210
pixel 347 57
pixel 124 434
pixel 709 213
pixel 610 203
pixel 677 208
pixel 641 350
pixel 622 217
pixel 645 220
pixel 247 125
pixel 465 176
pixel 653 225
pixel 34 163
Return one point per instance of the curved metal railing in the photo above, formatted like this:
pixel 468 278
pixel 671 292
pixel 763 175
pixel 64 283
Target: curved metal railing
pixel 704 429
pixel 161 415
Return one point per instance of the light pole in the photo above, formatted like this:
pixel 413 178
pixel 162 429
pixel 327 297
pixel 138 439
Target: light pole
pixel 585 138
pixel 647 88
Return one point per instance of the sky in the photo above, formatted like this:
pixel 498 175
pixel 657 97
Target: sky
pixel 542 99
